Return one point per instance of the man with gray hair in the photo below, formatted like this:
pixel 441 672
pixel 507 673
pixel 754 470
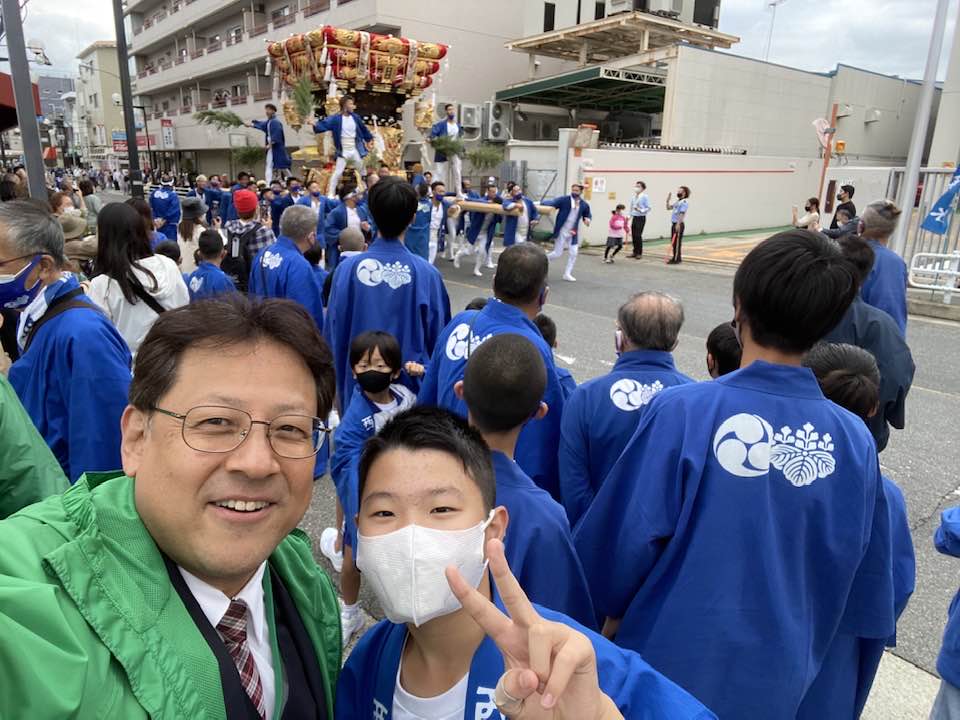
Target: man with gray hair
pixel 602 414
pixel 74 367
pixel 886 286
pixel 281 271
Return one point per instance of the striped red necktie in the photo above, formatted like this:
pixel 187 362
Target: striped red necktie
pixel 233 629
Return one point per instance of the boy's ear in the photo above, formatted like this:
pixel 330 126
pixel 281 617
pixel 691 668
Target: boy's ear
pixel 458 389
pixel 498 525
pixel 541 411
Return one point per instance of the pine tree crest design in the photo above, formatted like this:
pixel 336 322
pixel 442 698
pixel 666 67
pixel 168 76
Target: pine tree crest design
pixel 802 456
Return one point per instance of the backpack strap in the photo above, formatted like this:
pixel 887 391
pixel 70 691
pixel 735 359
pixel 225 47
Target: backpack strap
pixel 60 305
pixel 148 299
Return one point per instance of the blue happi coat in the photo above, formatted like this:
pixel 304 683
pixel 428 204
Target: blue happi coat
pixel 563 205
pixel 207 281
pixel 440 129
pixel 886 286
pixel 876 332
pixel 323 208
pixel 742 529
pixel 417 236
pixel 368 680
pixel 477 219
pixel 335 223
pixel 539 546
pixel 334 123
pixel 73 381
pixel 537 446
pixel 165 205
pixel 362 420
pixel 841 688
pixel 567 382
pixel 272 128
pixel 385 288
pixel 510 222
pixel 947 541
pixel 281 271
pixel 601 416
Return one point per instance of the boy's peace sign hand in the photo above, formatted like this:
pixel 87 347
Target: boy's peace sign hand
pixel 551 669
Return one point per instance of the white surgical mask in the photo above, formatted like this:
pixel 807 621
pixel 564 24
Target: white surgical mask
pixel 406 567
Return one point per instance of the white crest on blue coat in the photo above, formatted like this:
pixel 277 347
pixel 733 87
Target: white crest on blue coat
pixel 629 395
pixel 271 260
pixel 742 445
pixel 803 457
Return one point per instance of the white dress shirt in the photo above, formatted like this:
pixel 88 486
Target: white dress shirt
pixel 453 130
pixel 215 604
pixel 348 132
pixel 353 218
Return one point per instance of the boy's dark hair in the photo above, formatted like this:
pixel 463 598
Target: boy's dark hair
pixel 227 321
pixel 343 100
pixel 860 253
pixel 793 288
pixel 432 428
pixel 270 106
pixel 423 190
pixel 848 189
pixel 210 244
pixel 642 184
pixel 448 106
pixel 243 174
pixel 723 345
pixel 547 328
pixel 848 375
pixel 478 303
pixel 169 248
pixel 393 203
pixel 619 207
pixel 292 179
pixel 363 345
pixel 314 254
pixel 521 273
pixel 504 382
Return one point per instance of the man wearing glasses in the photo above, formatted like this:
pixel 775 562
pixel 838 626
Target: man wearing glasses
pixel 180 587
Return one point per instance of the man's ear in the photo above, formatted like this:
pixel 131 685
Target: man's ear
pixel 876 409
pixel 711 364
pixel 458 389
pixel 498 525
pixel 541 411
pixel 134 428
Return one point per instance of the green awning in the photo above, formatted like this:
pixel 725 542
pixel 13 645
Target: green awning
pixel 596 88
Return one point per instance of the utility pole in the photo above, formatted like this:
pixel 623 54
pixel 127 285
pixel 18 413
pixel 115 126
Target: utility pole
pixel 129 122
pixel 23 94
pixel 773 21
pixel 912 173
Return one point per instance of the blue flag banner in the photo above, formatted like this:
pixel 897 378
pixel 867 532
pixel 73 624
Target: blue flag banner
pixel 939 218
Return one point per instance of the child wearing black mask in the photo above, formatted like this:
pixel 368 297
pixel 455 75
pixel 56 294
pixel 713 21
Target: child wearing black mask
pixel 376 363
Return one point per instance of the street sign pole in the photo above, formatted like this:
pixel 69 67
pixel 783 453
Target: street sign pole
pixel 23 94
pixel 126 94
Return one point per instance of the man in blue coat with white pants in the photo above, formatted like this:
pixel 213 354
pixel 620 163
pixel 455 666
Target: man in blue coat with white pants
pixel 571 209
pixel 449 169
pixel 350 137
pixel 277 156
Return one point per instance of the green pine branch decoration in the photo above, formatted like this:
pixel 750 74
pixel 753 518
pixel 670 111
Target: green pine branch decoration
pixel 485 156
pixel 250 156
pixel 221 119
pixel 448 145
pixel 372 159
pixel 303 98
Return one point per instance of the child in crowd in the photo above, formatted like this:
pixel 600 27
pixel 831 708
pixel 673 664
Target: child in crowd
pixel 171 249
pixel 352 243
pixel 314 256
pixel 376 362
pixel 618 231
pixel 723 350
pixel 548 328
pixel 478 303
pixel 208 279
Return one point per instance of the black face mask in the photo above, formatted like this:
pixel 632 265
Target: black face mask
pixel 840 197
pixel 807 208
pixel 374 381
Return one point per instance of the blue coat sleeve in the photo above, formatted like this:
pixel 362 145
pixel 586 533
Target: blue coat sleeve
pixel 260 125
pixel 586 213
pixel 947 537
pixel 348 441
pixel 635 512
pixel 436 314
pixel 324 125
pixel 430 385
pixel 335 222
pixel 576 493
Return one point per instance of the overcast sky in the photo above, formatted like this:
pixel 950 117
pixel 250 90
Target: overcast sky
pixel 889 36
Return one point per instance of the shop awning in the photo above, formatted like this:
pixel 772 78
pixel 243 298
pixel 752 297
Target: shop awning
pixel 8 105
pixel 596 88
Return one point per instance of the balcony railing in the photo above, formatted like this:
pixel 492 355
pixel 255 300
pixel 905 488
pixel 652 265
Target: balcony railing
pixel 315 7
pixel 196 54
pixel 258 30
pixel 284 20
pixel 186 110
pixel 221 103
pixel 180 60
pixel 263 95
pixel 214 47
pixel 239 99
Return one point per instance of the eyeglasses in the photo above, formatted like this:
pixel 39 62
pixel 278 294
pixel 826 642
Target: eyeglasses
pixel 22 257
pixel 216 429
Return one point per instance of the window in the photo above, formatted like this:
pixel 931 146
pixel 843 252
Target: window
pixel 281 12
pixel 214 39
pixel 599 10
pixel 235 35
pixel 549 16
pixel 238 90
pixel 165 105
pixel 93 100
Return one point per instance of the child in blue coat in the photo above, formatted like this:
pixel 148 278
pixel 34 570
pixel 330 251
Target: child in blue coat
pixel 376 363
pixel 208 279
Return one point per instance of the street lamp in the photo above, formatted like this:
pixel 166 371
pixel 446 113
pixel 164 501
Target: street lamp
pixel 773 20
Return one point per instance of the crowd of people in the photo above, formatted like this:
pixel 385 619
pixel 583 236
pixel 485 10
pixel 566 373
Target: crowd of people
pixel 639 545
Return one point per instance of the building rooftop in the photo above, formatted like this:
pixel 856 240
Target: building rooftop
pixel 97 46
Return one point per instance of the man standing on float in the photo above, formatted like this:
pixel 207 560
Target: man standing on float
pixel 350 137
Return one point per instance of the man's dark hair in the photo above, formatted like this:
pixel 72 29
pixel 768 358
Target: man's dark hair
pixel 642 184
pixel 270 106
pixel 686 191
pixel 503 383
pixel 478 303
pixel 222 322
pixel 343 100
pixel 848 189
pixel 122 242
pixel 170 249
pixel 313 254
pixel 423 190
pixel 243 174
pixel 363 345
pixel 651 320
pixel 547 328
pixel 438 183
pixel 427 172
pixel 210 244
pixel 86 187
pixel 292 179
pixel 860 253
pixel 432 428
pixel 848 375
pixel 521 274
pixel 723 345
pixel 393 203
pixel 448 106
pixel 793 288
pixel 8 190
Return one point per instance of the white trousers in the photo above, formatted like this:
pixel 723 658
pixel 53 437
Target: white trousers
pixel 268 170
pixel 434 240
pixel 451 173
pixel 451 239
pixel 351 157
pixel 564 242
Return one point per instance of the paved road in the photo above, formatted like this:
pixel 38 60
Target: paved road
pixel 923 459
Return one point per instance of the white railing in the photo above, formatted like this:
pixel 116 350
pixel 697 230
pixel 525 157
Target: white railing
pixel 939 272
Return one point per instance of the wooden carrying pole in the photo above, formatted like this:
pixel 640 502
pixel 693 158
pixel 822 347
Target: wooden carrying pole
pixel 495 208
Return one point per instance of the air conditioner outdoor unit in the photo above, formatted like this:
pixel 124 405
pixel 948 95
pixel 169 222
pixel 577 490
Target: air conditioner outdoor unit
pixel 872 115
pixel 471 116
pixel 670 8
pixel 440 109
pixel 498 121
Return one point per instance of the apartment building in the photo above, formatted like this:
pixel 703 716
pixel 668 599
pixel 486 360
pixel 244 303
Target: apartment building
pixel 97 118
pixel 195 54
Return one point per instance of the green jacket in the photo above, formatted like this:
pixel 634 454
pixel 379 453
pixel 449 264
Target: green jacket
pixel 28 470
pixel 91 627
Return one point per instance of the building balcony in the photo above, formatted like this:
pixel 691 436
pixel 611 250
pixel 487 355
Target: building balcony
pixel 159 29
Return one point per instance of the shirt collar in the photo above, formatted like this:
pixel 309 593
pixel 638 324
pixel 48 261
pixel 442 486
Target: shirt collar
pixel 39 305
pixel 215 604
pixel 783 380
pixel 507 471
pixel 634 359
pixel 498 309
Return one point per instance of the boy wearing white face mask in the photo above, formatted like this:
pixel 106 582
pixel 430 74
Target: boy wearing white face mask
pixel 426 526
pixel 376 362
